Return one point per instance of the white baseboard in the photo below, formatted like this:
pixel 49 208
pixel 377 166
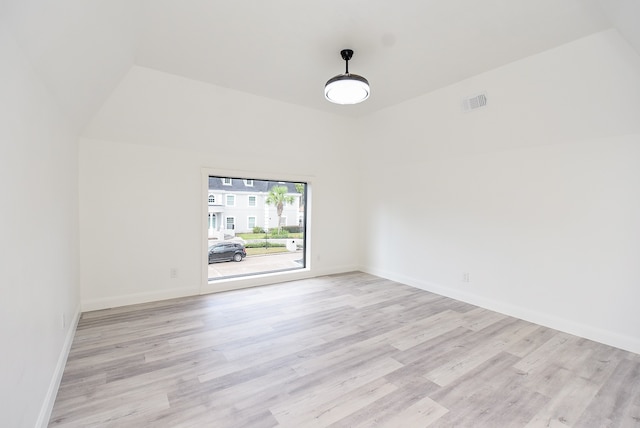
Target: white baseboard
pixel 52 392
pixel 134 299
pixel 596 334
pixel 335 270
pixel 271 278
pixel 222 285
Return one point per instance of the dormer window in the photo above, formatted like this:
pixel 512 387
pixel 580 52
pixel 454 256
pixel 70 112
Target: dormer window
pixel 248 183
pixel 226 182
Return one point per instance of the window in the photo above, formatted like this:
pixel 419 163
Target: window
pixel 212 199
pixel 263 206
pixel 231 223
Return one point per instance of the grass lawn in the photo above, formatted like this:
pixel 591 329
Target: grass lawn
pixel 270 250
pixel 247 236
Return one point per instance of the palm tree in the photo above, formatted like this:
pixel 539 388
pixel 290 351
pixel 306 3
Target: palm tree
pixel 278 197
pixel 300 189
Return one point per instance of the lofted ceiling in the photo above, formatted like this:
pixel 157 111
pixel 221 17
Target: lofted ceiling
pixel 286 50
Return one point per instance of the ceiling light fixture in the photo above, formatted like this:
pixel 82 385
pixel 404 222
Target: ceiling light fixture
pixel 347 88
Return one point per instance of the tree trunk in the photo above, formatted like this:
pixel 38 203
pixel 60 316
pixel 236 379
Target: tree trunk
pixel 280 207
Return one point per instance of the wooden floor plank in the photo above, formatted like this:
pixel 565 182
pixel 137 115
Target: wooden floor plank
pixel 615 399
pixel 335 408
pixel 421 414
pixel 348 350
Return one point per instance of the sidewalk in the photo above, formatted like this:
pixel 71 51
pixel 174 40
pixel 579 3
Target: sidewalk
pixel 256 264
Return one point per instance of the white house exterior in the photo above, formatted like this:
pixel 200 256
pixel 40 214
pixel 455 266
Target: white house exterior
pixel 238 205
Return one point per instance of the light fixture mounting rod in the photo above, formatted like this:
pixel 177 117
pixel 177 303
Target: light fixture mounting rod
pixel 346 56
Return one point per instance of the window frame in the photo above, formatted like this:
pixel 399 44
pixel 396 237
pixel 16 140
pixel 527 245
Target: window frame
pixel 226 200
pixel 309 270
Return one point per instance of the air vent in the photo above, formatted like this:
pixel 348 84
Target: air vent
pixel 475 102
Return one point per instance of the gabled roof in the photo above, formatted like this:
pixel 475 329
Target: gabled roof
pixel 239 185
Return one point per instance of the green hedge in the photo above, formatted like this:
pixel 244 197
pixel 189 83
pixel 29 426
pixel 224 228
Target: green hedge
pixel 263 244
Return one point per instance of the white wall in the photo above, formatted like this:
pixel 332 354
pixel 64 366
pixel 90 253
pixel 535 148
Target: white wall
pixel 141 195
pixel 536 197
pixel 38 245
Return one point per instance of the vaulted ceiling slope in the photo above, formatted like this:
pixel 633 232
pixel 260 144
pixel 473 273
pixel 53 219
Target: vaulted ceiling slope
pixel 79 48
pixel 286 50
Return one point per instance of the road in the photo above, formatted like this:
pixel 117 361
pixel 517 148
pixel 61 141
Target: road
pixel 255 264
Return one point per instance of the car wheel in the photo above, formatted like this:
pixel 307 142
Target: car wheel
pixel 237 257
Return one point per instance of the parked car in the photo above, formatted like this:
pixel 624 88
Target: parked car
pixel 226 252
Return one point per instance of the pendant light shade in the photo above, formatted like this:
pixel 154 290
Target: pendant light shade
pixel 347 88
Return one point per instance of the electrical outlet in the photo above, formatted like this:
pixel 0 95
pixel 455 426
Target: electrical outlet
pixel 173 273
pixel 465 277
pixel 64 321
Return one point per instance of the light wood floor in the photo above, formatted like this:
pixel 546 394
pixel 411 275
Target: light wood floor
pixel 349 350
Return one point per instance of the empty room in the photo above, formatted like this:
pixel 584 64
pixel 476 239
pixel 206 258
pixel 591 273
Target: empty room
pixel 320 214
